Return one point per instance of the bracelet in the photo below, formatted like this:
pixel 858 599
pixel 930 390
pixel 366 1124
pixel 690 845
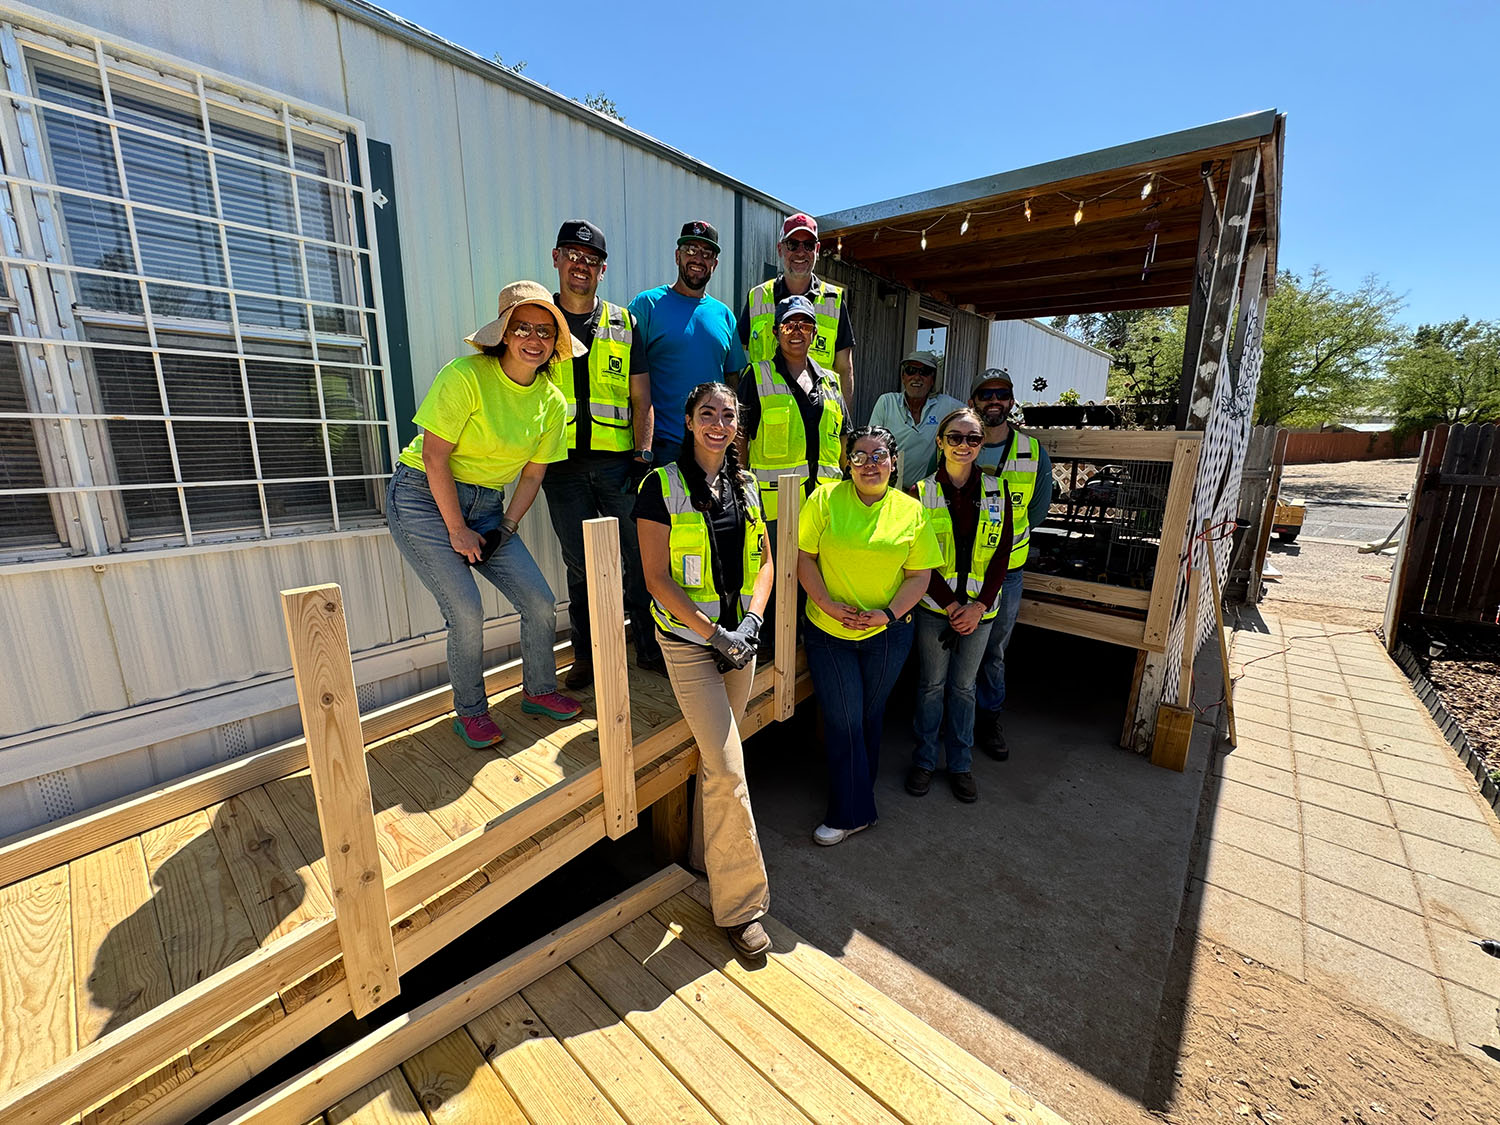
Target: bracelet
pixel 890 618
pixel 510 525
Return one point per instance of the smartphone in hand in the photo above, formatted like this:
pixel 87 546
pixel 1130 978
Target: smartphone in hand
pixel 492 540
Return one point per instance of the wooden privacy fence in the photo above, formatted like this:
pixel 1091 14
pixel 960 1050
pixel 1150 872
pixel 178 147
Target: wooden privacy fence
pixel 1448 568
pixel 1312 447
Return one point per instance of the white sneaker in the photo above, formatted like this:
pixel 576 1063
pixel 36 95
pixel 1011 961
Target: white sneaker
pixel 826 836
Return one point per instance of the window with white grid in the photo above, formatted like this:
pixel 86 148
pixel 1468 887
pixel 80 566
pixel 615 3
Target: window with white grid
pixel 187 328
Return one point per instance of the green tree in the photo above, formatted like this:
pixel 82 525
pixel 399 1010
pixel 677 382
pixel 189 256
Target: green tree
pixel 1324 349
pixel 517 67
pixel 1446 373
pixel 603 104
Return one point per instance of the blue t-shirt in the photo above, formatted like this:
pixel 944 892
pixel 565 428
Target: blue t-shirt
pixel 689 340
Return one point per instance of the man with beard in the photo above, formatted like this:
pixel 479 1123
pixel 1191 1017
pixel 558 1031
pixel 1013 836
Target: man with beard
pixel 689 336
pixel 608 393
pixel 1027 471
pixel 833 345
pixel 912 414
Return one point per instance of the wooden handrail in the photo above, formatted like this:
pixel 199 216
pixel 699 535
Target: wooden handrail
pixel 788 511
pixel 602 565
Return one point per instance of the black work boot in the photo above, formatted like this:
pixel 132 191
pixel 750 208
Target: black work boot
pixel 918 781
pixel 964 787
pixel 990 735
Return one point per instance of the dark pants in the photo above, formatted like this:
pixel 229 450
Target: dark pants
pixel 853 680
pixel 579 490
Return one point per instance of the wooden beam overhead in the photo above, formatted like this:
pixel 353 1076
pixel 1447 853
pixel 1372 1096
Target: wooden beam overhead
pixel 1059 307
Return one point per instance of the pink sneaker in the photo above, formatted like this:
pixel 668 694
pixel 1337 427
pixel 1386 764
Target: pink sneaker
pixel 555 705
pixel 478 731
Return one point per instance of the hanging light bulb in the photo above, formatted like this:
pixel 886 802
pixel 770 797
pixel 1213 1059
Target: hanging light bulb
pixel 838 251
pixel 963 227
pixel 1150 183
pixel 1078 214
pixel 876 238
pixel 924 240
pixel 1028 210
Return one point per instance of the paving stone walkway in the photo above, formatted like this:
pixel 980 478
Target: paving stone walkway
pixel 1347 845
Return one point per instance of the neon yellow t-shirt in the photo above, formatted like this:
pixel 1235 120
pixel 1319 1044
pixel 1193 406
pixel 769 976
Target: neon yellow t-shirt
pixel 864 550
pixel 495 424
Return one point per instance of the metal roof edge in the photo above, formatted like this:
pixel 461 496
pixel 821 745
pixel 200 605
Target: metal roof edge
pixel 1247 127
pixel 1070 339
pixel 418 36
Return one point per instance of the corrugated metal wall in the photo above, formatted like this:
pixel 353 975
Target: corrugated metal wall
pixel 965 353
pixel 879 311
pixel 128 633
pixel 1029 351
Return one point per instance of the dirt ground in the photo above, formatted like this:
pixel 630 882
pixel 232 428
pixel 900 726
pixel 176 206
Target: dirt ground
pixel 1463 664
pixel 1259 1046
pixel 1363 481
pixel 1330 582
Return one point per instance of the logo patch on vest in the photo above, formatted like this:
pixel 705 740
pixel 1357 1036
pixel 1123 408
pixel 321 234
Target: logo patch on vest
pixel 1016 497
pixel 821 343
pixel 615 366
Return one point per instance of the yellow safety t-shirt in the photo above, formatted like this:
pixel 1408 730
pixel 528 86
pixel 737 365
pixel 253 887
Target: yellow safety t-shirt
pixel 863 550
pixel 495 424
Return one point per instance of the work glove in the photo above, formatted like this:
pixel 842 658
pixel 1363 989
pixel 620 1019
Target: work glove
pixel 750 626
pixel 734 647
pixel 948 638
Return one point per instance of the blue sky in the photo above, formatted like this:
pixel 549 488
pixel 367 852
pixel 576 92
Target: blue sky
pixel 1393 118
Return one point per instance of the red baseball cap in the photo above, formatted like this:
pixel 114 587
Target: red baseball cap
pixel 798 222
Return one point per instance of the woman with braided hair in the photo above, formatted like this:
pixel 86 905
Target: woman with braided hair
pixel 707 565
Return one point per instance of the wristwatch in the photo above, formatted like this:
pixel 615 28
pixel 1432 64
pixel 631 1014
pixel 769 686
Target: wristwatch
pixel 889 616
pixel 645 455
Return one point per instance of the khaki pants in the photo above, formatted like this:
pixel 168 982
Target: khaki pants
pixel 724 841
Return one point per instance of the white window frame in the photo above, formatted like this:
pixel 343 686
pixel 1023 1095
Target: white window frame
pixel 52 348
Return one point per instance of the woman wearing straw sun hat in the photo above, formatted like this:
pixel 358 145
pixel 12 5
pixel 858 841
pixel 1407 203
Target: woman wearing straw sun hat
pixel 489 419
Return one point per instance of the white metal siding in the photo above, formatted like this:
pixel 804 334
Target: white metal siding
pixel 1029 350
pixel 474 213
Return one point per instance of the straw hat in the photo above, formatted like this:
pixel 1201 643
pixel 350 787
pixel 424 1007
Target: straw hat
pixel 519 293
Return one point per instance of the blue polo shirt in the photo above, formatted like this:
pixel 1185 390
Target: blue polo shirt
pixel 688 340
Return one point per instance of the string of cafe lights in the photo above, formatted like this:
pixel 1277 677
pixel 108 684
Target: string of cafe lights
pixel 1149 184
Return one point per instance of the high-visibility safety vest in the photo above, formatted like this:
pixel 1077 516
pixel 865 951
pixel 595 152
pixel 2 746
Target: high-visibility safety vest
pixel 988 533
pixel 779 446
pixel 1019 470
pixel 826 297
pixel 690 545
pixel 609 384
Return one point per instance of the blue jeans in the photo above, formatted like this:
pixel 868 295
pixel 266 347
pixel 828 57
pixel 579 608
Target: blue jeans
pixel 579 490
pixel 422 538
pixel 991 693
pixel 853 680
pixel 945 692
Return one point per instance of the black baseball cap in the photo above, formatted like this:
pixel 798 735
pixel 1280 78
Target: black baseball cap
pixel 700 231
pixel 581 232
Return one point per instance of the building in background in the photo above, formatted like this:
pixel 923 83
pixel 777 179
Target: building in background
pixel 1045 363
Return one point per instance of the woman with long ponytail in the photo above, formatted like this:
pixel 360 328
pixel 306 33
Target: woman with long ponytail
pixel 707 564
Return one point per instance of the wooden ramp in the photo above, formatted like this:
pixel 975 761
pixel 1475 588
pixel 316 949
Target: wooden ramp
pixel 640 1012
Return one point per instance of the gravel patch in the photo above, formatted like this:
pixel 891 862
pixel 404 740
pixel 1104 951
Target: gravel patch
pixel 1377 481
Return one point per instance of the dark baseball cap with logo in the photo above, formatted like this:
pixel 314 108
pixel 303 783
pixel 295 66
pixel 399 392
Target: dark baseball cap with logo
pixel 795 305
pixel 581 232
pixel 700 231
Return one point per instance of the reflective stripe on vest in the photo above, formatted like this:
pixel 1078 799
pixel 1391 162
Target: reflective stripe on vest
pixel 826 298
pixel 1019 471
pixel 988 533
pixel 779 446
pixel 689 539
pixel 609 385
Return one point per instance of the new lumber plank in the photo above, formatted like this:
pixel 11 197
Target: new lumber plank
pixel 1115 445
pixel 987 1091
pixel 275 881
pixel 455 1087
pixel 909 1093
pixel 203 922
pixel 38 849
pixel 1125 631
pixel 1173 535
pixel 536 1068
pixel 601 550
pixel 387 1100
pixel 641 1088
pixel 1101 592
pixel 349 1069
pixel 788 507
pixel 36 976
pixel 822 1091
pixel 329 704
pixel 725 1082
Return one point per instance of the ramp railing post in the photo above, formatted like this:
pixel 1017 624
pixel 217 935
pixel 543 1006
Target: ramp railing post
pixel 602 561
pixel 324 675
pixel 788 509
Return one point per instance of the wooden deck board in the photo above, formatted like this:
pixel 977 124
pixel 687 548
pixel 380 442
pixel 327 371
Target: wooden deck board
pixel 268 868
pixel 536 1068
pixel 386 1101
pixel 36 976
pixel 455 1086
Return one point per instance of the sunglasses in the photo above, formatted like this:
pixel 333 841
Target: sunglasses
pixel 971 440
pixel 579 258
pixel 1003 394
pixel 695 250
pixel 801 244
pixel 917 369
pixel 521 330
pixel 797 327
pixel 860 457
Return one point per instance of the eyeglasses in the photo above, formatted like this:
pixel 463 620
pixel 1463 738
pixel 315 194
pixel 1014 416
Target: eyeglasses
pixel 579 258
pixel 971 440
pixel 697 250
pixel 860 457
pixel 917 369
pixel 1003 394
pixel 801 244
pixel 521 330
pixel 797 327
